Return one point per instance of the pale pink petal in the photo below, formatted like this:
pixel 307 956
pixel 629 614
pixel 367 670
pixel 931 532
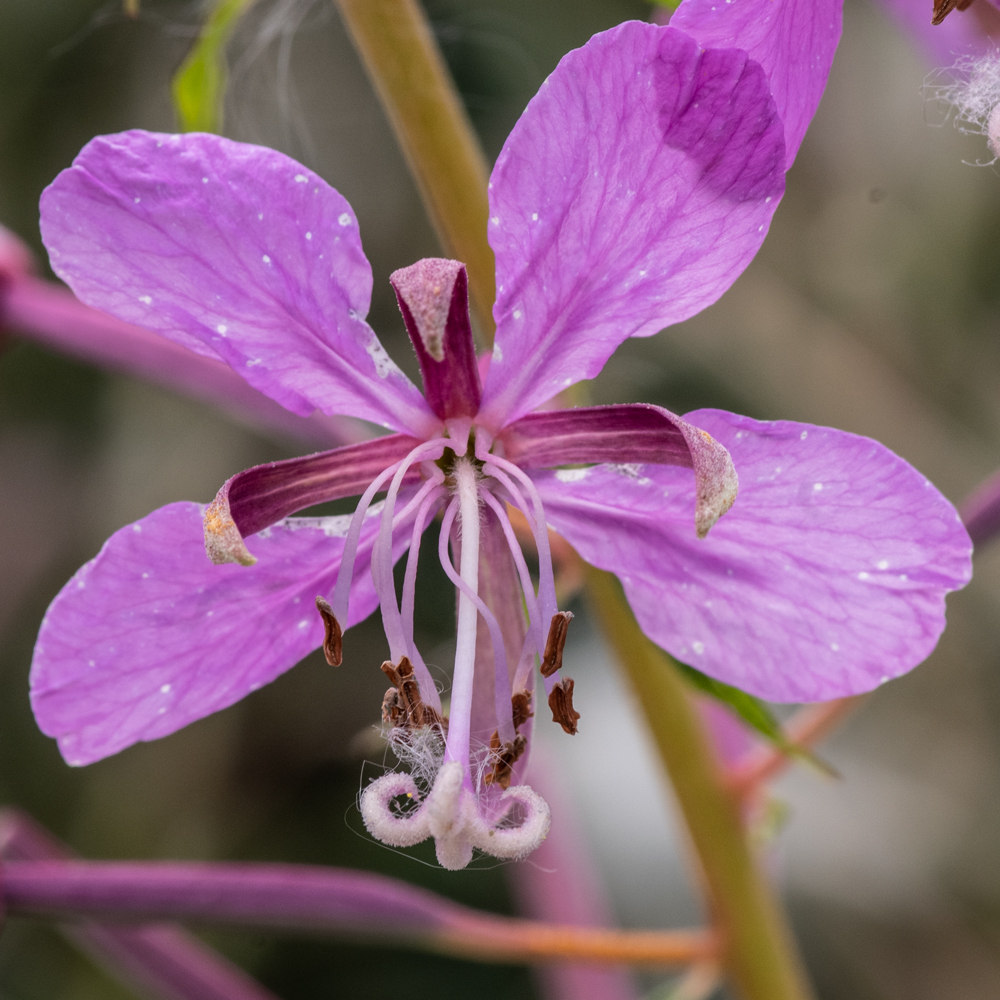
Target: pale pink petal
pixel 234 251
pixel 150 636
pixel 635 188
pixel 793 40
pixel 827 577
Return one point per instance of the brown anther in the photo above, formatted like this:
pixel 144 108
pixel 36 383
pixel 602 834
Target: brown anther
pixel 520 703
pixel 504 757
pixel 942 8
pixel 333 641
pixel 392 712
pixel 552 657
pixel 406 709
pixel 561 703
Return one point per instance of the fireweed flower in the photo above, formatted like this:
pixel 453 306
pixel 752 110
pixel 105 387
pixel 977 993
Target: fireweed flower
pixel 637 185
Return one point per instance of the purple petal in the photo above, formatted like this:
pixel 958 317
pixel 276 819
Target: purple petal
pixel 433 297
pixel 635 188
pixel 793 40
pixel 826 578
pixel 627 433
pixel 234 251
pixel 256 498
pixel 150 636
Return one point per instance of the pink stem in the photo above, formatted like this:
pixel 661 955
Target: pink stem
pixel 160 961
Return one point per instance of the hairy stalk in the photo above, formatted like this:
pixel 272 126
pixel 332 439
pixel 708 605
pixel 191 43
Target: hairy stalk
pixel 411 78
pixel 758 950
pixel 408 71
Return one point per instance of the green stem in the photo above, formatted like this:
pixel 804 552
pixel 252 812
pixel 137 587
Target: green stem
pixel 406 67
pixel 759 952
pixel 411 78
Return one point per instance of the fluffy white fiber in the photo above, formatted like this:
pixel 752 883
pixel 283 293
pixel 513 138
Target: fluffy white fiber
pixel 972 94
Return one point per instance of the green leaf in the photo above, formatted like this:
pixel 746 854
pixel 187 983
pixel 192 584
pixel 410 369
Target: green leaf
pixel 753 712
pixel 669 4
pixel 199 86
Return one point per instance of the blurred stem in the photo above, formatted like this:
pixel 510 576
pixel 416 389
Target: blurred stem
pixel 806 728
pixel 410 76
pixel 758 949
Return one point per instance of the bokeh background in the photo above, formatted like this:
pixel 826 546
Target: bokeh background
pixel 874 306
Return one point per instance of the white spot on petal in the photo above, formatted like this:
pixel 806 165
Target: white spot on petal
pixel 309 236
pixel 147 300
pixel 222 328
pixel 835 647
pixel 817 487
pixel 803 435
pixel 345 219
pixel 698 647
pixel 300 178
pixel 534 215
pixel 571 475
pixel 862 575
pixel 165 689
pixel 266 259
pixel 137 527
pixel 204 180
pixel 883 564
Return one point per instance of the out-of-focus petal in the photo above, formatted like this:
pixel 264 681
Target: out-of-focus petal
pixel 793 40
pixel 237 252
pixel 150 636
pixel 961 33
pixel 53 316
pixel 637 185
pixel 627 434
pixel 826 578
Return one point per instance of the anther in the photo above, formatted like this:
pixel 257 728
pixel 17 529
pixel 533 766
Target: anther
pixel 942 8
pixel 504 758
pixel 520 703
pixel 552 657
pixel 402 706
pixel 333 641
pixel 561 703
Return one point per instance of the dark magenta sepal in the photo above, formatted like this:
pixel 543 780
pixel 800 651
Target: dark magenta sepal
pixel 257 498
pixel 433 297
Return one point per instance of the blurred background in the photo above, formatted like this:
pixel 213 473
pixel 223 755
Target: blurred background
pixel 874 306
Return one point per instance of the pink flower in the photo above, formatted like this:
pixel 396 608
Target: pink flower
pixel 635 188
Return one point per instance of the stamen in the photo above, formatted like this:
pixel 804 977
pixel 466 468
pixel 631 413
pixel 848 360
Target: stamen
pixel 382 550
pixel 501 683
pixel 333 645
pixel 527 587
pixel 345 575
pixel 504 757
pixel 552 657
pixel 546 577
pixel 520 704
pixel 407 709
pixel 427 685
pixel 561 703
pixel 526 663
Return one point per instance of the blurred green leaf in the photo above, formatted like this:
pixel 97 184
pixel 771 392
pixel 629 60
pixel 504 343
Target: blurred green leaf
pixel 753 712
pixel 199 86
pixel 669 4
